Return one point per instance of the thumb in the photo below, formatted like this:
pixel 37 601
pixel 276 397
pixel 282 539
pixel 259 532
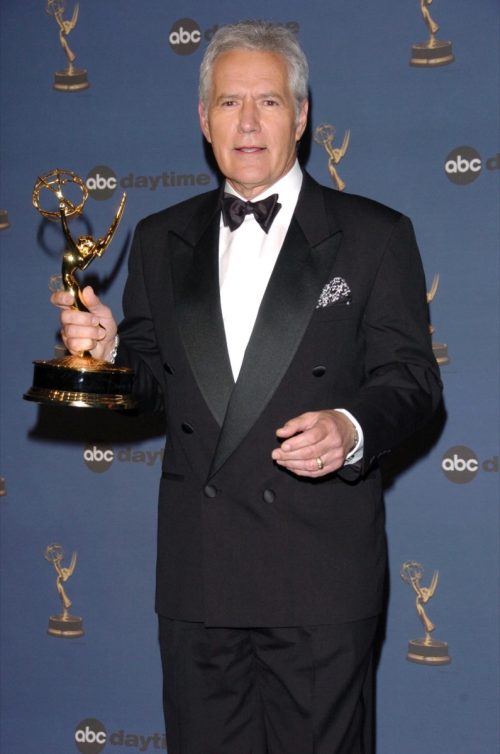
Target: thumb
pixel 101 313
pixel 92 301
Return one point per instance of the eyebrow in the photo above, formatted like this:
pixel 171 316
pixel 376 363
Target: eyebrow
pixel 261 95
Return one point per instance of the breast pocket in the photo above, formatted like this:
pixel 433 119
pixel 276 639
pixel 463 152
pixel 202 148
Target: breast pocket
pixel 335 312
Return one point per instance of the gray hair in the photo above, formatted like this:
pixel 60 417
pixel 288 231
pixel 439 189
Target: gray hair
pixel 257 35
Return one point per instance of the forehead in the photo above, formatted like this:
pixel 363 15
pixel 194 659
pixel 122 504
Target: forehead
pixel 250 69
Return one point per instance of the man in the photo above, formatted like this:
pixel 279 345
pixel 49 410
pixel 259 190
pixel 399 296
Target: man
pixel 287 357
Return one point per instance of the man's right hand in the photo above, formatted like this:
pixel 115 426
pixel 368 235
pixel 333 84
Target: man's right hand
pixel 92 331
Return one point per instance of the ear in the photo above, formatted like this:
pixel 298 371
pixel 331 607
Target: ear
pixel 302 119
pixel 204 122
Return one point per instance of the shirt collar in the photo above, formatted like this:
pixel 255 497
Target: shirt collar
pixel 287 187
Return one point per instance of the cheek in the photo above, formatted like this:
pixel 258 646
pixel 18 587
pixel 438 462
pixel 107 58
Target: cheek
pixel 220 135
pixel 218 147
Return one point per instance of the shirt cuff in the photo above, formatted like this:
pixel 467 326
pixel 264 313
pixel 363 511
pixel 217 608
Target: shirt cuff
pixel 356 454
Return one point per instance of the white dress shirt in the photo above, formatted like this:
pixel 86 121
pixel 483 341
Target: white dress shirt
pixel 247 257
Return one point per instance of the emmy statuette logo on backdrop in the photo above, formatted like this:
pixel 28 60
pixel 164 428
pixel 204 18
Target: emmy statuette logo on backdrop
pixel 4 219
pixel 434 52
pixel 324 134
pixel 72 79
pixel 63 625
pixel 426 651
pixel 440 349
pixel 77 380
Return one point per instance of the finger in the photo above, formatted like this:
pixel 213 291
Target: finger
pixel 318 439
pixel 287 452
pixel 76 317
pixel 302 465
pixel 77 345
pixel 306 442
pixel 80 331
pixel 62 299
pixel 92 332
pixel 297 424
pixel 312 472
pixel 314 467
pixel 100 316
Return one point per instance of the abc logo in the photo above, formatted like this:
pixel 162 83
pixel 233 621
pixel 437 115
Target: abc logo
pixel 90 736
pixel 98 457
pixel 101 182
pixel 185 36
pixel 460 464
pixel 463 165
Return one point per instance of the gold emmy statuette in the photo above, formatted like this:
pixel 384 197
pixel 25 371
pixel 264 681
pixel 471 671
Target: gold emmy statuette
pixel 440 349
pixel 325 134
pixel 433 52
pixel 426 651
pixel 4 219
pixel 72 79
pixel 77 380
pixel 63 625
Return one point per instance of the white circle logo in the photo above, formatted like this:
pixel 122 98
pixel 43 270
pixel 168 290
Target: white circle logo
pixel 184 37
pixel 463 165
pixel 98 457
pixel 460 464
pixel 101 182
pixel 90 736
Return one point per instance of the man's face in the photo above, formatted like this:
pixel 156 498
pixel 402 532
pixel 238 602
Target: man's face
pixel 250 120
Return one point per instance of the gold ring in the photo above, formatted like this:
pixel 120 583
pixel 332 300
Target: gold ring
pixel 320 463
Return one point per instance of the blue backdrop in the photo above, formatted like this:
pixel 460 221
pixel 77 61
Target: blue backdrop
pixel 422 139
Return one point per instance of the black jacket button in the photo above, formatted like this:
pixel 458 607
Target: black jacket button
pixel 187 428
pixel 269 496
pixel 319 371
pixel 210 491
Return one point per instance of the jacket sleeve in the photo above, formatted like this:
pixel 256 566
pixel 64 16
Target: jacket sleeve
pixel 138 347
pixel 401 387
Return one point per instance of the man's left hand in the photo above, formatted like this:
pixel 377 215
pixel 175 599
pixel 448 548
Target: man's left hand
pixel 315 443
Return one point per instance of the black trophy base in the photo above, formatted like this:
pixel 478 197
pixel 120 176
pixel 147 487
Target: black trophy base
pixel 65 626
pixel 428 652
pixel 432 53
pixel 440 351
pixel 71 81
pixel 82 382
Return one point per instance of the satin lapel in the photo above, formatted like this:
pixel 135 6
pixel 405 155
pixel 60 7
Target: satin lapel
pixel 289 302
pixel 196 285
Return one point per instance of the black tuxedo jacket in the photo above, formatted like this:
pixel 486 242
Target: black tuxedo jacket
pixel 242 542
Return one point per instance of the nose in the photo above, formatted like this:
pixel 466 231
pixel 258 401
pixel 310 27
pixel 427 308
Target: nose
pixel 249 117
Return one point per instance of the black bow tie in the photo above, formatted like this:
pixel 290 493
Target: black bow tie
pixel 235 209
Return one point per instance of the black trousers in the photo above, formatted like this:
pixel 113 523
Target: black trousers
pixel 298 690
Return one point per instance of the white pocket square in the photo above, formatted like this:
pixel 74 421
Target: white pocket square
pixel 335 292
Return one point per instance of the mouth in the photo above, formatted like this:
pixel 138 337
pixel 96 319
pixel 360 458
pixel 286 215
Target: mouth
pixel 249 150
